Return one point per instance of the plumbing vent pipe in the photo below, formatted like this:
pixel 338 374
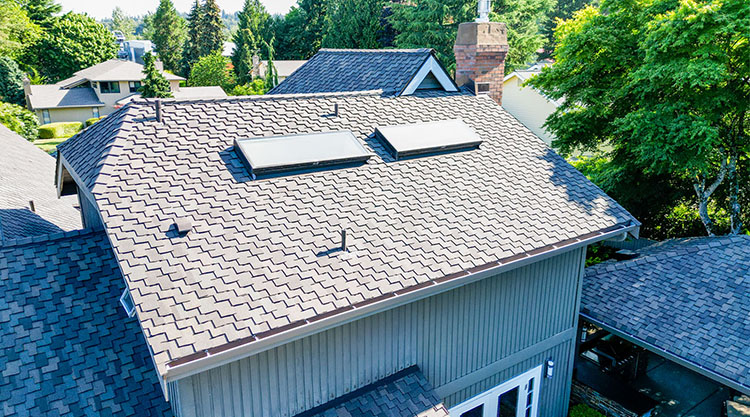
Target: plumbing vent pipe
pixel 336 109
pixel 343 239
pixel 31 206
pixel 158 110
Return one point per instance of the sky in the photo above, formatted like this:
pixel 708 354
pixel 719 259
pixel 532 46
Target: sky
pixel 103 8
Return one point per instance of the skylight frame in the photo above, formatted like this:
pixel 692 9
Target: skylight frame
pixel 407 148
pixel 337 141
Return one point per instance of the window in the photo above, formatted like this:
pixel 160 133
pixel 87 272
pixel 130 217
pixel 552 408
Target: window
pixel 45 117
pixel 134 86
pixel 517 397
pixel 482 88
pixel 95 111
pixel 109 86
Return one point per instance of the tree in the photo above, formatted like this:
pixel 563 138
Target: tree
pixel 155 85
pixel 300 33
pixel 353 24
pixel 19 120
pixel 253 22
pixel 211 38
pixel 73 42
pixel 664 83
pixel 315 12
pixel 191 50
pixel 434 24
pixel 11 82
pixel 17 30
pixel 212 70
pixel 563 10
pixel 122 22
pixel 41 12
pixel 168 35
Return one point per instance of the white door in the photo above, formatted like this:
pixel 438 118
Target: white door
pixel 518 397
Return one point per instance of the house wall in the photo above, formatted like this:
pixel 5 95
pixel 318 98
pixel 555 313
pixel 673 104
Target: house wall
pixel 529 107
pixel 465 341
pixel 109 99
pixel 68 114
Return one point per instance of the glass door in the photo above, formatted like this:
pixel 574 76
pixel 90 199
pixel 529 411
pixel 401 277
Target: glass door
pixel 517 397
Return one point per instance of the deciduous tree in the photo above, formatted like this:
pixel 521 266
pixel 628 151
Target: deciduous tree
pixel 41 12
pixel 122 22
pixel 212 70
pixel 17 30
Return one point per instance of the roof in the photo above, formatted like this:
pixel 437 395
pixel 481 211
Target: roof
pixel 261 255
pixel 27 174
pixel 686 297
pixel 337 70
pixel 199 92
pixel 404 394
pixel 284 68
pixel 52 96
pixel 68 348
pixel 111 70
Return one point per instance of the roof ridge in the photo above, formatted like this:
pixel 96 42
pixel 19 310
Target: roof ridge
pixel 384 50
pixel 49 237
pixel 263 97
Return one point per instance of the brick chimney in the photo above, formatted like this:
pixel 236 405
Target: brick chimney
pixel 480 51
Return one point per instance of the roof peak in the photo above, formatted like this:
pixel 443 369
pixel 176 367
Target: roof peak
pixel 50 237
pixel 402 50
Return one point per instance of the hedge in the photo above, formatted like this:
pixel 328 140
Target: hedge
pixel 19 120
pixel 582 410
pixel 93 120
pixel 59 130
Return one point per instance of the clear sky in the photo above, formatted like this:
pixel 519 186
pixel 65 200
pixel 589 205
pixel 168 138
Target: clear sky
pixel 103 8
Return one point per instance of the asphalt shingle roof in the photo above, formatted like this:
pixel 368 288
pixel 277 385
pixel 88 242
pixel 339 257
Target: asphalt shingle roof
pixel 111 70
pixel 405 394
pixel 689 297
pixel 27 174
pixel 337 70
pixel 52 96
pixel 67 348
pixel 261 255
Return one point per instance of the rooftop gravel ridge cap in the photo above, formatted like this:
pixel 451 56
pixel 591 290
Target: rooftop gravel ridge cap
pixel 45 238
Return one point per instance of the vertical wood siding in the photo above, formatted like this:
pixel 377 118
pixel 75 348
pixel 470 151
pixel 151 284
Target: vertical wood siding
pixel 448 336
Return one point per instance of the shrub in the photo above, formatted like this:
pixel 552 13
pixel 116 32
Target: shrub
pixel 19 120
pixel 256 87
pixel 11 82
pixel 59 130
pixel 582 410
pixel 93 120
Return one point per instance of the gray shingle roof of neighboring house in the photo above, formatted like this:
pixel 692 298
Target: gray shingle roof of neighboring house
pixel 52 96
pixel 688 297
pixel 68 348
pixel 111 70
pixel 184 93
pixel 27 174
pixel 337 70
pixel 404 394
pixel 261 256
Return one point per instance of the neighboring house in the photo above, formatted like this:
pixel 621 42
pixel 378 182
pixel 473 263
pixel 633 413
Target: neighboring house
pixel 284 68
pixel 95 91
pixel 28 200
pixel 414 248
pixel 527 104
pixel 687 300
pixel 135 49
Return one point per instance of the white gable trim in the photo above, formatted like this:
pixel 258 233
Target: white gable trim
pixel 430 66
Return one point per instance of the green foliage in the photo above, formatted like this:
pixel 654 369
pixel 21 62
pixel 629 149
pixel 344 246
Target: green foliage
pixel 582 410
pixel 434 23
pixel 122 22
pixel 155 85
pixel 300 32
pixel 598 253
pixel 41 12
pixel 353 24
pixel 59 130
pixel 168 34
pixel 254 88
pixel 211 35
pixel 191 50
pixel 563 10
pixel 212 70
pixel 17 30
pixel 663 83
pixel 73 42
pixel 19 120
pixel 252 28
pixel 11 82
pixel 93 120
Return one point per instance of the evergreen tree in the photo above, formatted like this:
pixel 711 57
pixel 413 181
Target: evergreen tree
pixel 155 85
pixel 272 76
pixel 41 12
pixel 253 22
pixel 168 35
pixel 122 22
pixel 353 24
pixel 191 50
pixel 11 82
pixel 211 39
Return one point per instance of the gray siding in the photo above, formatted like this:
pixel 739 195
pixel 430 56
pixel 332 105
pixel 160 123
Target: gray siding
pixel 452 336
pixel 89 213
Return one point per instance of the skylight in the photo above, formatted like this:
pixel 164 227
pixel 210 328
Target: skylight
pixel 275 154
pixel 425 138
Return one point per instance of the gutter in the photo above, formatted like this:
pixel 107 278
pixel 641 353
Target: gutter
pixel 670 356
pixel 213 357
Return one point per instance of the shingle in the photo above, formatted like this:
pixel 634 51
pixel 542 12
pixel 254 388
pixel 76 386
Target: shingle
pixel 337 70
pixel 67 346
pixel 689 297
pixel 27 174
pixel 253 241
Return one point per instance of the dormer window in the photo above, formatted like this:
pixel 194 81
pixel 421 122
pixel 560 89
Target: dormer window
pixel 112 87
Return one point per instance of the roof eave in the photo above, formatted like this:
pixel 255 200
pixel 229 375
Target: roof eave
pixel 211 358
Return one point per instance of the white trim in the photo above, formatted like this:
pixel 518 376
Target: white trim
pixel 430 66
pixel 490 397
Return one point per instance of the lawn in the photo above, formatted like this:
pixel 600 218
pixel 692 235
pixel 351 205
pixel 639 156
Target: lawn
pixel 49 145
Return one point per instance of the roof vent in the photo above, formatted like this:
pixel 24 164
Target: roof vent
pixel 267 155
pixel 183 225
pixel 428 138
